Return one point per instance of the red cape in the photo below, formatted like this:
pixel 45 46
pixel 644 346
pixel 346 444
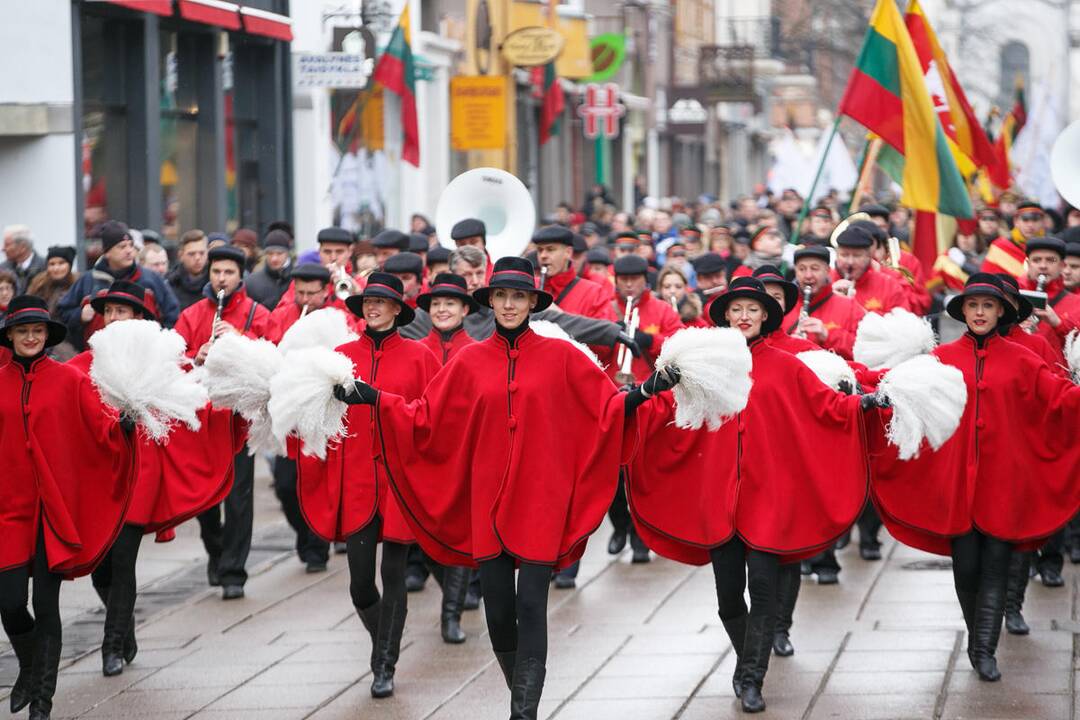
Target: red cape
pixel 1009 470
pixel 188 474
pixel 788 475
pixel 339 496
pixel 65 457
pixel 513 450
pixel 693 490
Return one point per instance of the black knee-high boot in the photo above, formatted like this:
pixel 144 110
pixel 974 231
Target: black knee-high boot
pixel 43 676
pixel 455 584
pixel 736 632
pixel 526 688
pixel 1019 570
pixel 755 657
pixel 787 593
pixel 387 646
pixel 23 645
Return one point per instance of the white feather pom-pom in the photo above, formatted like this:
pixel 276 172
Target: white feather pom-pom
pixel 326 328
pixel 138 369
pixel 302 400
pixel 885 341
pixel 237 374
pixel 548 329
pixel 928 399
pixel 714 365
pixel 829 367
pixel 1072 355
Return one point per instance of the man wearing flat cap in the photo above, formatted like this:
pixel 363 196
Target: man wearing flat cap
pixel 1061 312
pixel 388 243
pixel 832 319
pixel 1007 253
pixel 472 232
pixel 855 275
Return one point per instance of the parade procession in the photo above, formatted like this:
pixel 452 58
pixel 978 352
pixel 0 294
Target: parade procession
pixel 706 368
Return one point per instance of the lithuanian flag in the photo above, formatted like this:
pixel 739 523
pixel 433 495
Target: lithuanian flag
pixel 887 93
pixel 1000 173
pixel 396 73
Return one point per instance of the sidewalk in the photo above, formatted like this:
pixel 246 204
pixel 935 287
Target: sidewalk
pixel 632 642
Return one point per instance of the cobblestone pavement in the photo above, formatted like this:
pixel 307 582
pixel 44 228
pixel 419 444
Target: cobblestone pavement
pixel 632 642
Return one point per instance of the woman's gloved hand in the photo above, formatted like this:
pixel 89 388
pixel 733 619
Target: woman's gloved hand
pixel 356 393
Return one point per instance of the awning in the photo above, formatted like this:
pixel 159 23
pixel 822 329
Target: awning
pixel 267 24
pixel 158 7
pixel 212 12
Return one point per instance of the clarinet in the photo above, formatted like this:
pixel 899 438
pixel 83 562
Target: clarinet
pixel 217 315
pixel 543 276
pixel 807 293
pixel 1039 285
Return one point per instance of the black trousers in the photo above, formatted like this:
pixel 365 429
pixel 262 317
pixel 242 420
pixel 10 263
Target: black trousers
pixel 229 544
pixel 619 514
pixel 733 566
pixel 309 546
pixel 15 596
pixel 360 552
pixel 418 564
pixel 788 585
pixel 115 578
pixel 981 568
pixel 869 526
pixel 516 616
pixel 1051 555
pixel 825 560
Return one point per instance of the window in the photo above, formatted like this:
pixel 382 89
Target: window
pixel 1015 67
pixel 179 138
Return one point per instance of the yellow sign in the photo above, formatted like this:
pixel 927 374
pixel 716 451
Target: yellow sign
pixel 531 46
pixel 575 60
pixel 478 113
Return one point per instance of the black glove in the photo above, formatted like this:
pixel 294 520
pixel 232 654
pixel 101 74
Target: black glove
pixel 643 339
pixel 358 393
pixel 874 400
pixel 661 380
pixel 127 425
pixel 630 343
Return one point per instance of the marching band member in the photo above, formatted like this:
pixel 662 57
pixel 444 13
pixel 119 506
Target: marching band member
pixel 408 267
pixel 1045 258
pixel 976 498
pixel 832 318
pixel 199 324
pixel 346 497
pixel 336 246
pixel 738 504
pixel 572 293
pixel 712 280
pixel 1070 271
pixel 175 482
pixel 471 232
pixel 476 494
pixel 786 293
pixel 1018 331
pixel 387 243
pixel 914 280
pixel 66 487
pixel 855 274
pixel 1007 253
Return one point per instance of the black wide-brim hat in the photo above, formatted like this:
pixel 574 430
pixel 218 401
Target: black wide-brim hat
pixel 447 285
pixel 747 288
pixel 27 310
pixel 382 285
pixel 982 284
pixel 122 292
pixel 1012 289
pixel 513 273
pixel 770 274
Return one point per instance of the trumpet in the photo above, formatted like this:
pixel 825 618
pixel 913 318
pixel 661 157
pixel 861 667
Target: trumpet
pixel 624 358
pixel 804 312
pixel 343 284
pixel 218 313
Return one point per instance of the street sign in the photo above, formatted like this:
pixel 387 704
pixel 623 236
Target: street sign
pixel 478 112
pixel 601 110
pixel 331 70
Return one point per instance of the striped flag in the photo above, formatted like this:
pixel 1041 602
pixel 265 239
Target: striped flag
pixel 396 73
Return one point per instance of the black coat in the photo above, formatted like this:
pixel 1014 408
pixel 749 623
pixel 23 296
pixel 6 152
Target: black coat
pixel 188 290
pixel 266 286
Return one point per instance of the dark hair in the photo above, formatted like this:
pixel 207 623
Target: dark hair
pixel 191 236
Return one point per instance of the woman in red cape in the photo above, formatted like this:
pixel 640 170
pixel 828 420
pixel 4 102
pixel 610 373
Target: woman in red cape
pixel 508 460
pixel 1005 479
pixel 69 469
pixel 729 498
pixel 176 481
pixel 346 497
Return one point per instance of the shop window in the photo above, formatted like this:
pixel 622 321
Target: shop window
pixel 179 137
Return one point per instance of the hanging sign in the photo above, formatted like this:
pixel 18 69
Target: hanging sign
pixel 531 46
pixel 601 111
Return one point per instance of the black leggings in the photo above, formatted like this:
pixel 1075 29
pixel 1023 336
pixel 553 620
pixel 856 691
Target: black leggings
pixel 516 618
pixel 117 570
pixel 14 596
pixel 980 562
pixel 732 564
pixel 360 548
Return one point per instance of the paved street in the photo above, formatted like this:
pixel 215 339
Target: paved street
pixel 632 642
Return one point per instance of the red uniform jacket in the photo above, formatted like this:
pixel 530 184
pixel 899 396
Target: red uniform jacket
pixel 446 345
pixel 1005 255
pixel 339 496
pixel 579 296
pixel 510 449
pixel 1009 470
pixel 841 316
pixel 1038 344
pixel 917 295
pixel 196 322
pixel 1067 307
pixel 190 473
pixel 655 317
pixel 790 343
pixel 284 317
pixel 691 491
pixel 878 291
pixel 65 457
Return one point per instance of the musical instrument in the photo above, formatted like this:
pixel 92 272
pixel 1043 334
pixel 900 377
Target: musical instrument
pixel 1038 299
pixel 343 284
pixel 495 197
pixel 217 314
pixel 304 312
pixel 1063 167
pixel 804 312
pixel 543 276
pixel 674 303
pixel 624 358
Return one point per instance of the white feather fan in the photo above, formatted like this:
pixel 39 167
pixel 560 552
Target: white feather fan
pixel 302 400
pixel 138 369
pixel 326 328
pixel 714 364
pixel 885 341
pixel 237 374
pixel 548 329
pixel 1072 355
pixel 829 367
pixel 928 399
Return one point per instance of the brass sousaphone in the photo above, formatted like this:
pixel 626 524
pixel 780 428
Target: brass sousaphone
pixel 495 197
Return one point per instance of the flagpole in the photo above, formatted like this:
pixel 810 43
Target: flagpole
pixel 866 175
pixel 817 176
